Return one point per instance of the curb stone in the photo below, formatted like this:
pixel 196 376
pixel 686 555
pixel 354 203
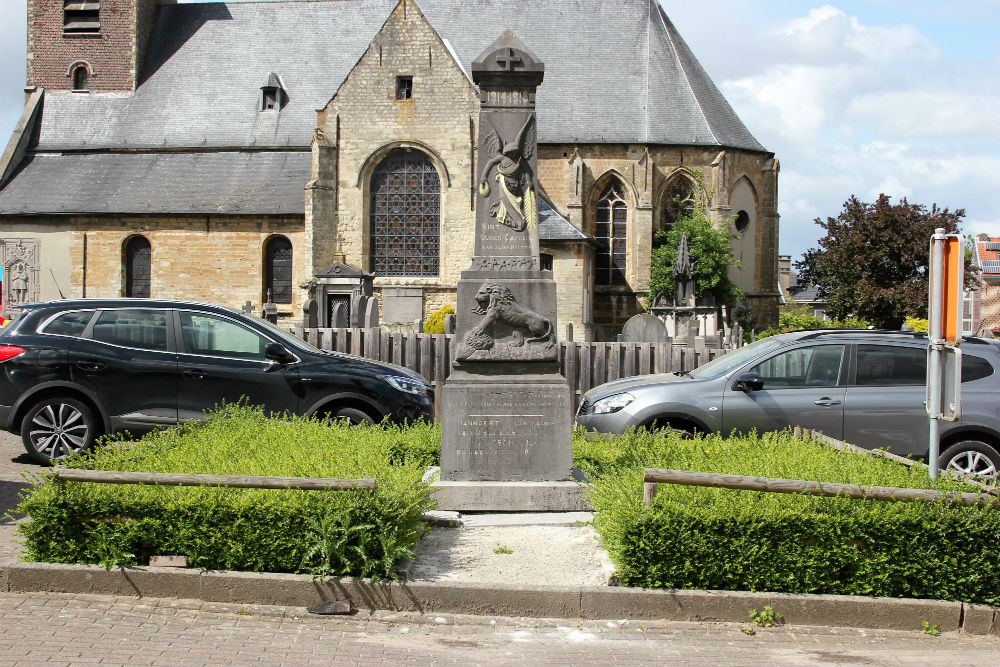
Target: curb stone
pixel 588 602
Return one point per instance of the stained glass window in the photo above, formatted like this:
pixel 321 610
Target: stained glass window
pixel 278 270
pixel 138 259
pixel 405 216
pixel 610 232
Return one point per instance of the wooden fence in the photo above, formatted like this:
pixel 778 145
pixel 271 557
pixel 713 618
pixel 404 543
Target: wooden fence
pixel 584 365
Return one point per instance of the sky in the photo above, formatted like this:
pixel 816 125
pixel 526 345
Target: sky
pixel 853 97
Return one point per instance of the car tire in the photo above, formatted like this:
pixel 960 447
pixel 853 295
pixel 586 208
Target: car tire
pixel 352 416
pixel 971 457
pixel 58 427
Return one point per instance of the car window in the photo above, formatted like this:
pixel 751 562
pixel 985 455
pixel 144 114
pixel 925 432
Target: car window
pixel 812 366
pixel 975 368
pixel 220 337
pixel 68 324
pixel 731 361
pixel 891 365
pixel 132 327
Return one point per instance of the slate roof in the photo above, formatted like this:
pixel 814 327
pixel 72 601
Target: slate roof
pixel 231 182
pixel 615 72
pixel 554 227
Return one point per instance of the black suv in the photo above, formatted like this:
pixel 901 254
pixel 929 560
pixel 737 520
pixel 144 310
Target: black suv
pixel 74 369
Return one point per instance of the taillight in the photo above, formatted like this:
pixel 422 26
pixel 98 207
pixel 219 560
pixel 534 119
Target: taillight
pixel 9 352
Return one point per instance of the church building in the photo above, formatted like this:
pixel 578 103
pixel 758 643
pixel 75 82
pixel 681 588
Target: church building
pixel 232 152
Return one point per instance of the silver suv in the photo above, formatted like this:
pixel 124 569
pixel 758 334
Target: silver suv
pixel 864 387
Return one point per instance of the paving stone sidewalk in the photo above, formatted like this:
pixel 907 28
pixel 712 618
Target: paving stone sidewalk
pixel 61 629
pixel 65 629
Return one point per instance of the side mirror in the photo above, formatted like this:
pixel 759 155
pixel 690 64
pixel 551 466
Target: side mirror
pixel 277 352
pixel 749 382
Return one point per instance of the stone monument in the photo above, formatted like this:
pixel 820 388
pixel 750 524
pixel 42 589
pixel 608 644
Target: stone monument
pixel 506 432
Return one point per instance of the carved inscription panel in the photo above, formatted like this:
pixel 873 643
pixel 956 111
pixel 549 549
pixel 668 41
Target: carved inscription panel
pixel 509 434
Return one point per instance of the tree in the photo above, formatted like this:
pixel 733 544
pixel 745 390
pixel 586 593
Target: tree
pixel 873 261
pixel 710 250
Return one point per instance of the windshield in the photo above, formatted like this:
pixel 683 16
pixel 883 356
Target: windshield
pixel 728 362
pixel 286 337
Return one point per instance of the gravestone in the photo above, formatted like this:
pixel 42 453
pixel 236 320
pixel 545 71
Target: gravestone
pixel 401 306
pixel 338 319
pixel 645 328
pixel 449 323
pixel 371 319
pixel 506 432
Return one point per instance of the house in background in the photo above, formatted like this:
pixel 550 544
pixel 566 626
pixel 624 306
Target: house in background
pixel 223 152
pixel 983 309
pixel 794 291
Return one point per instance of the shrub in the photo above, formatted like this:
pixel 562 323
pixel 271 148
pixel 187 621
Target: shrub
pixel 917 324
pixel 435 323
pixel 698 537
pixel 353 532
pixel 794 317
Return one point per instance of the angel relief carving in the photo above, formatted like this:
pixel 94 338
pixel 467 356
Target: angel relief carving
pixel 514 204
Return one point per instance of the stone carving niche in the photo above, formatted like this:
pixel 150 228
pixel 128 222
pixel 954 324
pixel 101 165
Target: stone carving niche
pixel 21 267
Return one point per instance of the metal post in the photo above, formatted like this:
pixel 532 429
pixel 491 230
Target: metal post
pixel 935 345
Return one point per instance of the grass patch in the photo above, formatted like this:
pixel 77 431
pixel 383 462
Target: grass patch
pixel 352 532
pixel 703 538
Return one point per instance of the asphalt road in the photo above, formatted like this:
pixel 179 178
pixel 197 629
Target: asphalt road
pixel 64 629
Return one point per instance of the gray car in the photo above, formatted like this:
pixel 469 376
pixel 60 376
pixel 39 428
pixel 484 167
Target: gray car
pixel 863 387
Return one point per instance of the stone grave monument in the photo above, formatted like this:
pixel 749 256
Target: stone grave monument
pixel 506 431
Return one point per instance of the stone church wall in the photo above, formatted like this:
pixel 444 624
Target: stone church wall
pixel 218 259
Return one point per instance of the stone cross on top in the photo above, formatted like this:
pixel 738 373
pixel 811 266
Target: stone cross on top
pixel 510 60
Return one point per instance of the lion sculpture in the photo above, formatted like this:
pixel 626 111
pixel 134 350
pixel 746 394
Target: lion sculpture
pixel 497 303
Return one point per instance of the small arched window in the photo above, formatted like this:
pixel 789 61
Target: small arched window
pixel 138 262
pixel 278 270
pixel 678 201
pixel 405 216
pixel 80 78
pixel 610 232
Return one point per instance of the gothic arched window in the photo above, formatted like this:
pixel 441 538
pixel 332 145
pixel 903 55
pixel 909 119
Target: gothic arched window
pixel 678 200
pixel 278 270
pixel 610 232
pixel 138 260
pixel 405 216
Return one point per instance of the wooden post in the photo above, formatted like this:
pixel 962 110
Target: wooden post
pixel 648 493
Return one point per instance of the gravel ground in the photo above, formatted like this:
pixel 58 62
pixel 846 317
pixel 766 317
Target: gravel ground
pixel 529 549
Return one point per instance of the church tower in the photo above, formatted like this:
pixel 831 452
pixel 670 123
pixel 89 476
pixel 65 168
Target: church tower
pixel 88 44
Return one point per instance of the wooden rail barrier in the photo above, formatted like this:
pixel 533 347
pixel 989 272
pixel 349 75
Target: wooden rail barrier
pixel 229 481
pixel 840 445
pixel 653 476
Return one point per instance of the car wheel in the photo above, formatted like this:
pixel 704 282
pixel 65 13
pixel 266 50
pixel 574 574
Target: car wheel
pixel 971 457
pixel 56 428
pixel 351 416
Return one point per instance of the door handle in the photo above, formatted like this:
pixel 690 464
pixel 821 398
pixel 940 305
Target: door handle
pixel 194 373
pixel 826 401
pixel 91 365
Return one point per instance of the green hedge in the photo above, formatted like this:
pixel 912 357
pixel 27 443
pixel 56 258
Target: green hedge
pixel 346 532
pixel 703 538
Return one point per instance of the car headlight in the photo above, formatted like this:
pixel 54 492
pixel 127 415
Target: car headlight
pixel 612 403
pixel 406 384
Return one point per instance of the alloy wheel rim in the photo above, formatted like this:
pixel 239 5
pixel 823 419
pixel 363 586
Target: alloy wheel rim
pixel 973 463
pixel 58 430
